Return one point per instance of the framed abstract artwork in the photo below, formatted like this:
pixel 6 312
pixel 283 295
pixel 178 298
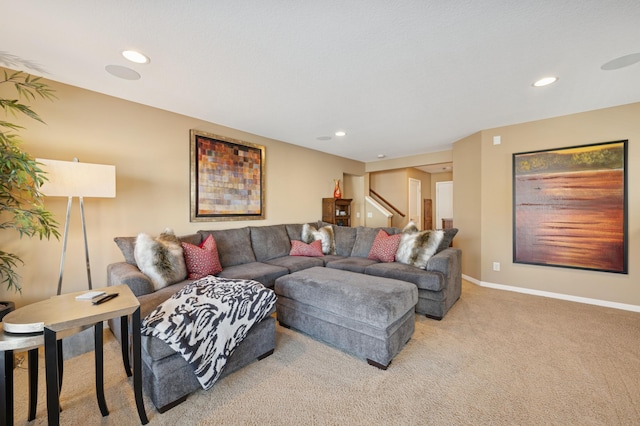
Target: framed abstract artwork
pixel 570 207
pixel 227 178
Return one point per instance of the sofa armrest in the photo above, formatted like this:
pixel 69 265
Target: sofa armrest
pixel 449 263
pixel 442 261
pixel 124 273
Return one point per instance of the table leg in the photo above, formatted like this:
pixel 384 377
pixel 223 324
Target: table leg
pixel 99 358
pixel 6 387
pixel 124 344
pixel 137 365
pixel 33 382
pixel 51 373
pixel 60 364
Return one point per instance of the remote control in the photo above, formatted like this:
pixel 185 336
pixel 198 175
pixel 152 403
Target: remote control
pixel 105 298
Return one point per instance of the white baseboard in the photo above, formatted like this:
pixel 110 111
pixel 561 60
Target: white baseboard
pixel 586 300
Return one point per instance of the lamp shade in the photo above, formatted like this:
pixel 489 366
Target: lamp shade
pixel 74 179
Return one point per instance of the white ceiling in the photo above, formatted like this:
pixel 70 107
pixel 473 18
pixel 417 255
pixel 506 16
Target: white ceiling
pixel 400 77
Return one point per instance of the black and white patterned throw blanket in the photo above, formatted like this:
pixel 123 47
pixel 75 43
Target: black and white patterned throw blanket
pixel 207 320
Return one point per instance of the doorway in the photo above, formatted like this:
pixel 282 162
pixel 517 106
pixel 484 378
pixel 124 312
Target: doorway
pixel 415 206
pixel 444 202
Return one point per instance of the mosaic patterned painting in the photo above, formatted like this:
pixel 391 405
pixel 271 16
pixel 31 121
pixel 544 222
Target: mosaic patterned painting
pixel 228 178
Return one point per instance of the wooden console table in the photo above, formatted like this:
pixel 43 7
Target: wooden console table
pixel 60 314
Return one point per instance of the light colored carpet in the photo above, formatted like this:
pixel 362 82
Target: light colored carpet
pixel 497 358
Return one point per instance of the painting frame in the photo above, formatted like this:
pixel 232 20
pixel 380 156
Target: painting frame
pixel 570 207
pixel 227 178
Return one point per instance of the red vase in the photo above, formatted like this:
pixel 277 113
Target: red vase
pixel 336 191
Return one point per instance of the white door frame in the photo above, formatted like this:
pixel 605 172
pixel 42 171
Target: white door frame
pixel 415 201
pixel 444 202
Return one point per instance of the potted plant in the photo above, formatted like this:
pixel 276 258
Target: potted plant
pixel 21 202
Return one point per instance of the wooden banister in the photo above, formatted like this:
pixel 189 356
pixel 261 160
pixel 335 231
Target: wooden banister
pixel 372 192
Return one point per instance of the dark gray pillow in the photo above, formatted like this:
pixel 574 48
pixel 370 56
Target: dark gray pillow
pixel 449 233
pixel 345 238
pixel 127 246
pixel 234 245
pixel 364 241
pixel 270 242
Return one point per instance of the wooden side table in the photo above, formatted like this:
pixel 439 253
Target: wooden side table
pixel 62 313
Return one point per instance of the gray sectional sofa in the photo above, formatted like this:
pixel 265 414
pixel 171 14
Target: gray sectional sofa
pixel 261 253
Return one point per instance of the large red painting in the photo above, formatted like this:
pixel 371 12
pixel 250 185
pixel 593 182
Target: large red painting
pixel 570 207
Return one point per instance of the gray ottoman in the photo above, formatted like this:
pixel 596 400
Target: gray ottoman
pixel 370 317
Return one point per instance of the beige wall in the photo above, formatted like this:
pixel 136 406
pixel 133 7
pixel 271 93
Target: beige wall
pixel 354 189
pixel 467 202
pixel 484 168
pixel 150 149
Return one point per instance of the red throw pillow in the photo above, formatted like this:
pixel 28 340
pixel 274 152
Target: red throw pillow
pixel 313 249
pixel 202 260
pixel 384 247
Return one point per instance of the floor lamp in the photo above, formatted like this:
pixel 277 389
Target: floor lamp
pixel 74 179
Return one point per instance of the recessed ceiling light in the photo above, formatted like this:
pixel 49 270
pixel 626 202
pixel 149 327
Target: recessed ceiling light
pixel 545 81
pixel 381 155
pixel 122 72
pixel 136 57
pixel 340 133
pixel 621 62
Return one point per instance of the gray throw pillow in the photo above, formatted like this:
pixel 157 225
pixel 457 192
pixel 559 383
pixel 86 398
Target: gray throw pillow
pixel 449 233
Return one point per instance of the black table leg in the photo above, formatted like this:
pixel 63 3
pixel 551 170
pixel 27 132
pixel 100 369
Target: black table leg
pixel 51 367
pixel 137 365
pixel 124 344
pixel 99 357
pixel 33 382
pixel 6 387
pixel 60 364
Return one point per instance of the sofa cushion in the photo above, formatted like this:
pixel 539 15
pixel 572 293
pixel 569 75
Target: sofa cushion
pixel 297 263
pixel 264 273
pixel 313 249
pixel 202 260
pixel 345 238
pixel 160 258
pixel 353 264
pixel 234 246
pixel 327 258
pixel 384 247
pixel 269 242
pixel 424 280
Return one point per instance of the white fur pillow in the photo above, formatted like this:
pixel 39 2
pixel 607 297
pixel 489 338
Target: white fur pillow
pixel 416 248
pixel 324 234
pixel 161 258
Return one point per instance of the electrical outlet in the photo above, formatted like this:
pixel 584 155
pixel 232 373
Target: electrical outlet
pixel 358 215
pixel 496 266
